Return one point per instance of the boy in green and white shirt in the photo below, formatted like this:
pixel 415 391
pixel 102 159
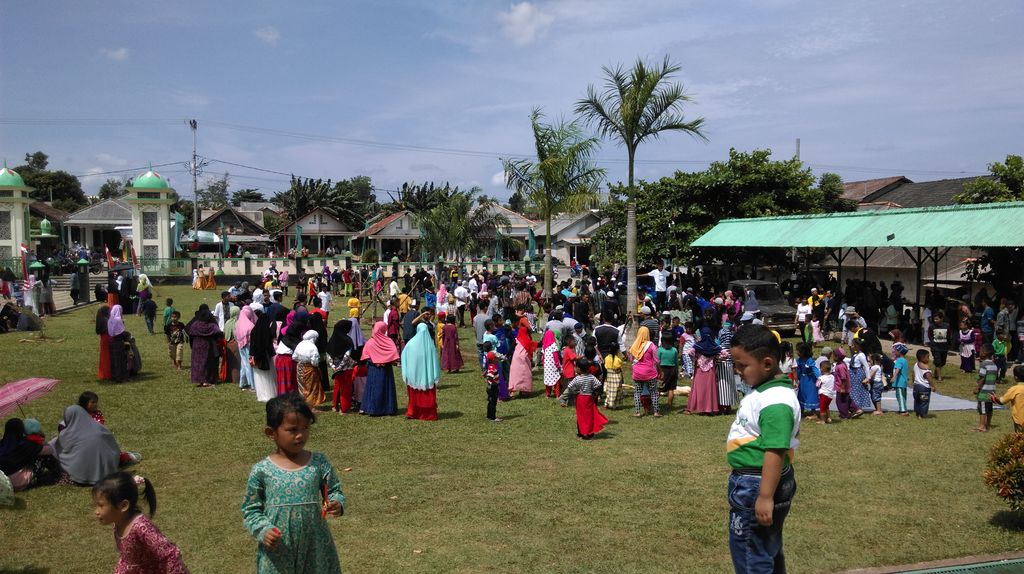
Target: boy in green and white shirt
pixel 760 450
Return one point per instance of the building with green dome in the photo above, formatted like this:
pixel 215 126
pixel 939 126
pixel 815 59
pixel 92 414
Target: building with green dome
pixel 150 198
pixel 14 216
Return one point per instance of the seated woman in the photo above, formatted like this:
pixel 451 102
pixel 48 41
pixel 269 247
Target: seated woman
pixel 86 450
pixel 26 462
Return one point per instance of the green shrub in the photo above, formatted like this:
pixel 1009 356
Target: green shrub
pixel 1005 471
pixel 370 256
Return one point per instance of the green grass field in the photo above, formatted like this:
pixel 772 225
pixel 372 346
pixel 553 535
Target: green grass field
pixel 463 495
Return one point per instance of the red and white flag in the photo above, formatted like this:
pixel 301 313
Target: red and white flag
pixel 24 261
pixel 110 258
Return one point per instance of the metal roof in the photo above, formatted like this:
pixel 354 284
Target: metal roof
pixel 981 225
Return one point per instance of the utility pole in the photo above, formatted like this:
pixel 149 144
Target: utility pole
pixel 195 167
pixel 797 148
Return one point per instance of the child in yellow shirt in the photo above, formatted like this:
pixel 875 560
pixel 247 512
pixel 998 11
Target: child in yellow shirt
pixel 613 377
pixel 1014 396
pixel 353 307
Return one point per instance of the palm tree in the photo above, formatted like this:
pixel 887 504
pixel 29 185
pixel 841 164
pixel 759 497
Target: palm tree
pixel 562 179
pixel 464 224
pixel 635 106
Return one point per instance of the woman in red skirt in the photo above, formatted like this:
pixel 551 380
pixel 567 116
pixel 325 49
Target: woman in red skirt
pixel 102 316
pixel 344 358
pixel 589 420
pixel 421 371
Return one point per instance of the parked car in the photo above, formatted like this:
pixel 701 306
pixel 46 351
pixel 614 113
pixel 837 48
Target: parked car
pixel 776 312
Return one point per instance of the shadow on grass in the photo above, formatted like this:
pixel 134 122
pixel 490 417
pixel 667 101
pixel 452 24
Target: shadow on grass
pixel 19 504
pixel 509 417
pixel 442 387
pixel 1008 520
pixel 449 415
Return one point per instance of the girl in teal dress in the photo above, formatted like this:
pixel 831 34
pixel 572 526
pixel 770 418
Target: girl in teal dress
pixel 289 495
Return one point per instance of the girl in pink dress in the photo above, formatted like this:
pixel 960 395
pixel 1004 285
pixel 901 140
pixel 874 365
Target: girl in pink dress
pixel 141 545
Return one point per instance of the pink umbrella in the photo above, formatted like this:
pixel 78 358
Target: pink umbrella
pixel 13 395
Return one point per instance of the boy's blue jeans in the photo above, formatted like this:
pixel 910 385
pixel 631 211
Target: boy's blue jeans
pixel 922 398
pixel 755 548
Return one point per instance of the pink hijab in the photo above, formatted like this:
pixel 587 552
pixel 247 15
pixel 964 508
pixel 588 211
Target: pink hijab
pixel 115 324
pixel 442 294
pixel 548 340
pixel 380 349
pixel 243 326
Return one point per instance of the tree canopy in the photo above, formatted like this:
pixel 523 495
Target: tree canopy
pixel 346 199
pixel 61 187
pixel 998 265
pixel 248 195
pixel 465 224
pixel 113 188
pixel 215 194
pixel 674 211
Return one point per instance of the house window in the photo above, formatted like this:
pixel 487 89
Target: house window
pixel 5 224
pixel 149 225
pixel 150 252
pixel 399 224
pixel 5 252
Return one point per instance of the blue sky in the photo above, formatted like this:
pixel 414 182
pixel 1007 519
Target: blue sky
pixel 874 88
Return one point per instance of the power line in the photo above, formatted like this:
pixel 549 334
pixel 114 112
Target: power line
pixel 127 170
pixel 93 122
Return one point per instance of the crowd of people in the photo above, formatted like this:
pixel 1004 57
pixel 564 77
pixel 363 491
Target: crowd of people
pixel 692 340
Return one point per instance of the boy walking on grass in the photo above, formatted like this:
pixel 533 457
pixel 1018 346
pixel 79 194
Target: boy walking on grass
pixel 923 385
pixel 492 376
pixel 175 331
pixel 1015 398
pixel 168 310
pixel 988 373
pixel 760 449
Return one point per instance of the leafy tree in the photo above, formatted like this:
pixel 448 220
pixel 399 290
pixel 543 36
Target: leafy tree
pixel 998 265
pixel 248 195
pixel 831 186
pixel 465 225
pixel 674 211
pixel 362 187
pixel 113 188
pixel 637 105
pixel 272 223
pixel 35 162
pixel 562 179
pixel 420 198
pixel 303 196
pixel 215 195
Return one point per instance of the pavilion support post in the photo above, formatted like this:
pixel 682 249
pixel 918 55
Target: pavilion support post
pixel 839 257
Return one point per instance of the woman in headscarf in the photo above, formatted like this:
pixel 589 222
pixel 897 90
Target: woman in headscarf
pixel 262 342
pixel 359 340
pixel 704 390
pixel 339 349
pixel 380 353
pixel 520 379
pixel 231 363
pixel 644 354
pixel 21 459
pixel 116 344
pixel 86 450
pixel 307 357
pixel 204 337
pixel 451 354
pixel 258 297
pixel 552 364
pixel 198 278
pixel 284 364
pixel 421 371
pixel 316 323
pixel 243 337
pixel 145 291
pixel 102 316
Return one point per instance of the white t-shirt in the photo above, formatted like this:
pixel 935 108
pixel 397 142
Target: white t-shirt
pixel 660 279
pixel 802 311
pixel 393 289
pixel 827 386
pixel 461 296
pixel 919 375
pixel 875 374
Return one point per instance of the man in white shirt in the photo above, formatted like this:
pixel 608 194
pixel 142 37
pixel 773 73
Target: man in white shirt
pixel 223 309
pixel 461 300
pixel 393 289
pixel 473 286
pixel 325 298
pixel 660 284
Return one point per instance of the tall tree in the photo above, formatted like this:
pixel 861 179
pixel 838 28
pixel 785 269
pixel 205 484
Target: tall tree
pixel 60 188
pixel 674 211
pixel 113 188
pixel 303 196
pixel 562 179
pixel 248 195
pixel 831 186
pixel 637 105
pixel 467 224
pixel 215 194
pixel 998 265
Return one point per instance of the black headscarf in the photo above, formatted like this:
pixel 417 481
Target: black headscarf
pixel 292 336
pixel 261 342
pixel 340 342
pixel 16 451
pixel 102 316
pixel 203 324
pixel 316 323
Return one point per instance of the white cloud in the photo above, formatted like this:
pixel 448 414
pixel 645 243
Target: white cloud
pixel 827 37
pixel 268 34
pixel 524 22
pixel 111 159
pixel 119 54
pixel 498 178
